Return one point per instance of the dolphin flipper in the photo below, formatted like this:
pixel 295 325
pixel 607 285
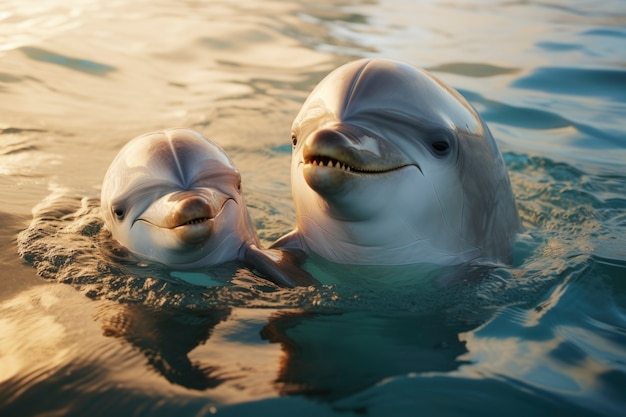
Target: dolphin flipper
pixel 291 242
pixel 280 267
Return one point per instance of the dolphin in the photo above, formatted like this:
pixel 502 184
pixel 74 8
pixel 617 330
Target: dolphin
pixel 392 167
pixel 175 197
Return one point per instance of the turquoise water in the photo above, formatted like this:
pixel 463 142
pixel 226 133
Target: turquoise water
pixel 83 336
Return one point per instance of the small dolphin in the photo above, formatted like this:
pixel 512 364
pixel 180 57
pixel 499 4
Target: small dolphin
pixel 391 167
pixel 175 197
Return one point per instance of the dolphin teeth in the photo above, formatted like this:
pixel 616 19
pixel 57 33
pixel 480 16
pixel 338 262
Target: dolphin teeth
pixel 197 221
pixel 324 161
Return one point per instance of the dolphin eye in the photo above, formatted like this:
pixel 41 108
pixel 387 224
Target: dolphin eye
pixel 294 139
pixel 119 213
pixel 239 186
pixel 441 142
pixel 440 147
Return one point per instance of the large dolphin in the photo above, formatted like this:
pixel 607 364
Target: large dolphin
pixel 391 167
pixel 175 197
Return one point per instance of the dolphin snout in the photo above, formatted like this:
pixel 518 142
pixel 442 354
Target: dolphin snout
pixel 330 146
pixel 192 216
pixel 333 138
pixel 184 208
pixel 353 149
pixel 192 210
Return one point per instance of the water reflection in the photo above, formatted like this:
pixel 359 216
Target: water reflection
pixel 234 355
pixel 166 338
pixel 26 339
pixel 332 356
pixel 55 339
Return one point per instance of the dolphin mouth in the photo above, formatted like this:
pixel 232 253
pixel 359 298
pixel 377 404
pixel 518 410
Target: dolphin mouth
pixel 205 216
pixel 199 221
pixel 192 222
pixel 324 161
pixel 200 216
pixel 353 150
pixel 200 213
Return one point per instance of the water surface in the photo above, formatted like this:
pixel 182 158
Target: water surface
pixel 545 336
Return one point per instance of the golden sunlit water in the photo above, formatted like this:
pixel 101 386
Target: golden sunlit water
pixel 80 336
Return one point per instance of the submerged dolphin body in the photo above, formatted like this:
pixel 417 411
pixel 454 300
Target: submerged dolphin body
pixel 175 197
pixel 391 167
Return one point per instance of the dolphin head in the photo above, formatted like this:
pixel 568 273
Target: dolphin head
pixel 175 197
pixel 390 166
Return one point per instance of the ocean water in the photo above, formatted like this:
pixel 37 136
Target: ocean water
pixel 80 335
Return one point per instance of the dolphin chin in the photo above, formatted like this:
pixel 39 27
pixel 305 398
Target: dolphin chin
pixel 390 166
pixel 195 233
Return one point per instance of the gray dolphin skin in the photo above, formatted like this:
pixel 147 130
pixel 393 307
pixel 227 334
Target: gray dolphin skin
pixel 175 197
pixel 392 167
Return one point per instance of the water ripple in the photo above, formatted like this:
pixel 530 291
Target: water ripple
pixel 590 82
pixel 66 242
pixel 76 64
pixel 472 69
